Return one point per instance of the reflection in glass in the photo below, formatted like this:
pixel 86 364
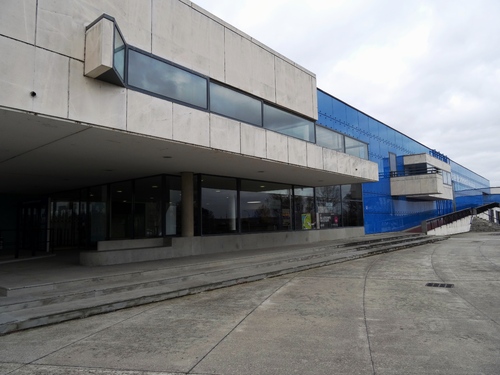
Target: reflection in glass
pixel 159 77
pixel 329 139
pixel 356 148
pixel 288 124
pixel 329 206
pixel 352 205
pixel 147 207
pixel 233 104
pixel 119 55
pixel 218 205
pixel 303 200
pixel 66 219
pixel 121 225
pixel 173 219
pixel 264 206
pixel 98 213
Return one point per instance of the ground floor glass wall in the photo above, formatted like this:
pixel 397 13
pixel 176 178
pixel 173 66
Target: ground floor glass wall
pixel 139 208
pixel 229 205
pixel 265 206
pixel 151 207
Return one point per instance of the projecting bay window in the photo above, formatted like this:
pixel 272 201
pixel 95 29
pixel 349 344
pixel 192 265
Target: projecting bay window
pixel 119 54
pixel 105 51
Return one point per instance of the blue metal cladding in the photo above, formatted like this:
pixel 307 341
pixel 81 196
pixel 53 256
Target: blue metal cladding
pixel 470 190
pixel 383 212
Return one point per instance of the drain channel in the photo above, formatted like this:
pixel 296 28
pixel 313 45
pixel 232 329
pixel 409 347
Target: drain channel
pixel 440 285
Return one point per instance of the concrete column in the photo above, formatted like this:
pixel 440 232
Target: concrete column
pixel 232 213
pixel 187 204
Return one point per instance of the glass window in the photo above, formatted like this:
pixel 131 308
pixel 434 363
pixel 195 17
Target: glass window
pixel 393 168
pixel 121 225
pixel 147 207
pixel 329 139
pixel 356 148
pixel 119 54
pixel 98 213
pixel 233 104
pixel 446 178
pixel 159 77
pixel 287 123
pixel 329 206
pixel 173 218
pixel 352 205
pixel 264 206
pixel 218 205
pixel 305 216
pixel 66 219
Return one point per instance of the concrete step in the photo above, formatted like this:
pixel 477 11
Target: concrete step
pixel 80 298
pixel 150 278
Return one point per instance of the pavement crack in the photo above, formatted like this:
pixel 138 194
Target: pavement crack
pixel 364 313
pixel 238 324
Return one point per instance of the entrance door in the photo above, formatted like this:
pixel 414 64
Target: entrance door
pixel 69 220
pixel 32 234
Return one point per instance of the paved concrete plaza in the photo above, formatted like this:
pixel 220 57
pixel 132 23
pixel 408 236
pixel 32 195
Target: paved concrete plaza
pixel 368 316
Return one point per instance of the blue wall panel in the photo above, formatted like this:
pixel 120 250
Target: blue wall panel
pixel 383 212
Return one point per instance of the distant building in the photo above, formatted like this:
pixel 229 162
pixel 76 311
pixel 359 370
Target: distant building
pixel 154 125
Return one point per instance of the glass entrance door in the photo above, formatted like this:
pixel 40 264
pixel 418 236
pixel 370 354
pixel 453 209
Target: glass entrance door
pixel 32 234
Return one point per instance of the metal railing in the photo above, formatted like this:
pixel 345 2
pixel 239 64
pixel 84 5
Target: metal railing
pixel 440 221
pixel 410 172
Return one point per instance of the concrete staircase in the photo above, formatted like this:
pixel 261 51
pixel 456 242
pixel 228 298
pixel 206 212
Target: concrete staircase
pixel 79 291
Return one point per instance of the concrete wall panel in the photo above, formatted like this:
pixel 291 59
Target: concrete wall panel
pixel 133 18
pixel 94 101
pixel 16 74
pixel 253 141
pixel 224 134
pixel 295 89
pixel 190 125
pixel 238 61
pixel 263 73
pixel 297 152
pixel 188 37
pixel 17 19
pixel 276 146
pixel 51 83
pixel 345 163
pixel 331 160
pixel 149 115
pixel 314 156
pixel 61 24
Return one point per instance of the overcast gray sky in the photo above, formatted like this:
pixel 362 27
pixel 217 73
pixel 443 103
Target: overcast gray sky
pixel 428 68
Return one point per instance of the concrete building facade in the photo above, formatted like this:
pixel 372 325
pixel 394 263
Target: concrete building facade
pixel 145 129
pixel 154 124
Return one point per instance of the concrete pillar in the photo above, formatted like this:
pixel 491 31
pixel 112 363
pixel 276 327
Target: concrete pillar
pixel 424 227
pixel 232 213
pixel 187 204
